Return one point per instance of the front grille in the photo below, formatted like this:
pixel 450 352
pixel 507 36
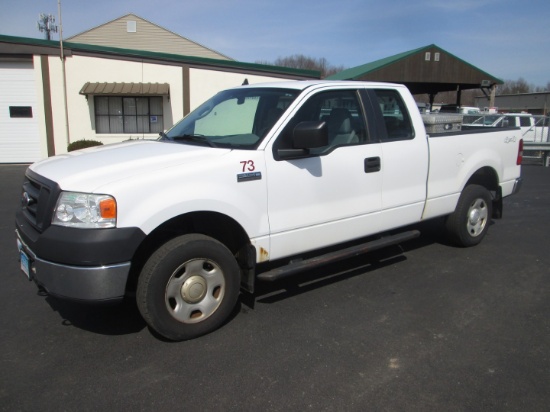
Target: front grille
pixel 38 200
pixel 30 199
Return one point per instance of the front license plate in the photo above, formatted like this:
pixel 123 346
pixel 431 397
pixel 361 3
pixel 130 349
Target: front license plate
pixel 25 264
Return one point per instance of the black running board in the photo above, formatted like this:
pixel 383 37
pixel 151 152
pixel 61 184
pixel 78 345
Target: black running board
pixel 296 267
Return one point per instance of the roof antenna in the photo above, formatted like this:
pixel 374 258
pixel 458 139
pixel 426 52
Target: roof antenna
pixel 245 82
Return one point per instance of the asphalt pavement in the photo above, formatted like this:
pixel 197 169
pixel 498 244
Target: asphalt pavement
pixel 423 326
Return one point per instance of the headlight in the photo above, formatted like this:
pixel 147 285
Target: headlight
pixel 85 210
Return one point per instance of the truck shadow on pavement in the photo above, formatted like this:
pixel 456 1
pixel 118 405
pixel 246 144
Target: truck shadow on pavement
pixel 270 292
pixel 326 275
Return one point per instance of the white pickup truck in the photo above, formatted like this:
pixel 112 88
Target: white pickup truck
pixel 259 173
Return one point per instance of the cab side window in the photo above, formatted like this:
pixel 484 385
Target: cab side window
pixel 509 121
pixel 525 121
pixel 340 110
pixel 396 117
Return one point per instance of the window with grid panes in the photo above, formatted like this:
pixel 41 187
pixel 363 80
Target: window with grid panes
pixel 128 114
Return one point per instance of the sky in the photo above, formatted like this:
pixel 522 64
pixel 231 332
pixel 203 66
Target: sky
pixel 509 39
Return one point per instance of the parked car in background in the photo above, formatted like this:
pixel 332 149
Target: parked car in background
pixel 453 108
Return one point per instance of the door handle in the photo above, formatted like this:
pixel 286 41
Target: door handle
pixel 372 164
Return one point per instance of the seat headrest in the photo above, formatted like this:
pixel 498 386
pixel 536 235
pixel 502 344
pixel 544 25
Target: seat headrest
pixel 339 121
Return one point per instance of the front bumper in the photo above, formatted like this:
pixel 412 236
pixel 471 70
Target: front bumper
pixel 85 283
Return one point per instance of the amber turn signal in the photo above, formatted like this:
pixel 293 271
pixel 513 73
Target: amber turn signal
pixel 107 208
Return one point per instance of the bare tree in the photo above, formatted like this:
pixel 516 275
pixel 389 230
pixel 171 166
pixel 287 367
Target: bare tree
pixel 299 61
pixel 515 87
pixel 543 88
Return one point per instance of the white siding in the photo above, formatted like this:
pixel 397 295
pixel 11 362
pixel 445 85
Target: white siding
pixel 19 137
pixel 147 36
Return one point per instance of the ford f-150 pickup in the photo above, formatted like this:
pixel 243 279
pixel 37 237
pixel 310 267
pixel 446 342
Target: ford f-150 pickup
pixel 258 173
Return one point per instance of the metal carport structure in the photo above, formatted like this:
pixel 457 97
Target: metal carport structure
pixel 427 70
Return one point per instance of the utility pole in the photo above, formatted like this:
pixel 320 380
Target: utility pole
pixel 46 24
pixel 64 75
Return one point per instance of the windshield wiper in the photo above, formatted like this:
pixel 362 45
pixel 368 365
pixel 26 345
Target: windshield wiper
pixel 198 138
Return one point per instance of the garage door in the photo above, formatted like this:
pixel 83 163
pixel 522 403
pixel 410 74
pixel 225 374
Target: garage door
pixel 19 136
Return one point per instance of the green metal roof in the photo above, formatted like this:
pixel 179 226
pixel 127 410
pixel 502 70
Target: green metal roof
pixel 203 61
pixel 358 72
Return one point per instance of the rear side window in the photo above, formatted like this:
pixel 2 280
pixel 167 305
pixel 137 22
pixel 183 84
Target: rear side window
pixel 525 121
pixel 397 120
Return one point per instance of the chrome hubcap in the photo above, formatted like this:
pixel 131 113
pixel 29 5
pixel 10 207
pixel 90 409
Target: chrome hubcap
pixel 195 290
pixel 477 217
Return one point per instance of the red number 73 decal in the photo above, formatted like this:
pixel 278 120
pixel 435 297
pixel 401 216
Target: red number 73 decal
pixel 248 165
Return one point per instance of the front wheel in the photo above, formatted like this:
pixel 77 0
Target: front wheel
pixel 188 287
pixel 468 224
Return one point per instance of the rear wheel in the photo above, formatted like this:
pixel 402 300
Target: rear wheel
pixel 188 287
pixel 468 224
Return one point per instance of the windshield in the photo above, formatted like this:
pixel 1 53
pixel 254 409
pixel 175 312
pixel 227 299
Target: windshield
pixel 237 118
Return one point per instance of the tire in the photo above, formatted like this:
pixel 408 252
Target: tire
pixel 469 223
pixel 188 287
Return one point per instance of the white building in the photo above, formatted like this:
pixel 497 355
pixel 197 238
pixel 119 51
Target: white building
pixel 112 93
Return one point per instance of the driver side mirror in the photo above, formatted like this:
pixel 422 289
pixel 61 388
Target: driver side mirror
pixel 305 136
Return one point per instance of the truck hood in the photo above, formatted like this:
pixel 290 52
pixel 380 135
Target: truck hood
pixel 86 170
